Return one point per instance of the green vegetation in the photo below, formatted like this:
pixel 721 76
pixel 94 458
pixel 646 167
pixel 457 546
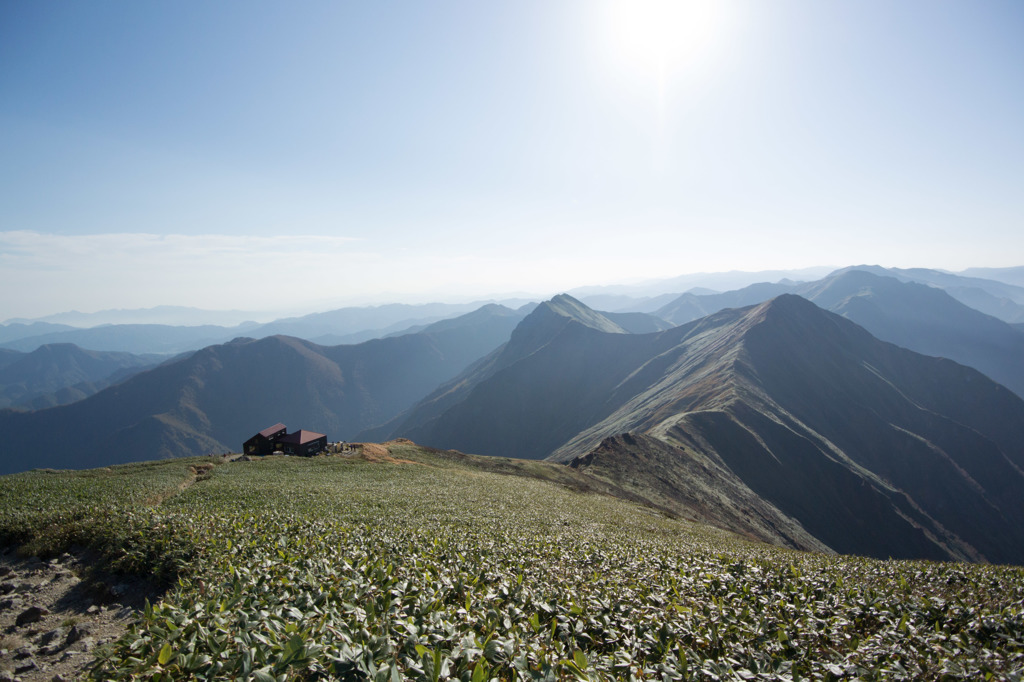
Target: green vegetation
pixel 427 566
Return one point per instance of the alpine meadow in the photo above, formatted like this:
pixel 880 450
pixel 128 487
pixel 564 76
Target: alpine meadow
pixel 403 562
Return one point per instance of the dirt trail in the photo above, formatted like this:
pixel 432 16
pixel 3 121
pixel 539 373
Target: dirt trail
pixel 200 472
pixel 51 621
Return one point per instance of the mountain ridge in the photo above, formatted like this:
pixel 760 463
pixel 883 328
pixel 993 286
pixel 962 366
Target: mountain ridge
pixel 785 405
pixel 913 315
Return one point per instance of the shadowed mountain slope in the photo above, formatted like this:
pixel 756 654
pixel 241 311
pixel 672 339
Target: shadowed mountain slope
pixel 691 306
pixel 926 320
pixel 639 323
pixel 214 399
pixel 9 357
pixel 563 316
pixel 781 421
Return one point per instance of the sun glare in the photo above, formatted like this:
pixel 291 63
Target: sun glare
pixel 662 38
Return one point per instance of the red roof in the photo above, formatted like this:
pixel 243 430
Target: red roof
pixel 272 430
pixel 300 437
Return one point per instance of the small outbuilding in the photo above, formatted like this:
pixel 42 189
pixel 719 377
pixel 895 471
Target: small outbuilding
pixel 277 439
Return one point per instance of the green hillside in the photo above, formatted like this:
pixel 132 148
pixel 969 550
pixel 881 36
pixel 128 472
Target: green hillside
pixel 405 562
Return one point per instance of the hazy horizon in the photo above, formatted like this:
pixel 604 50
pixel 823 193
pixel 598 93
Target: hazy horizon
pixel 635 287
pixel 253 156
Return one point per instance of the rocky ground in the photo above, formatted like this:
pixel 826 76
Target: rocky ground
pixel 51 620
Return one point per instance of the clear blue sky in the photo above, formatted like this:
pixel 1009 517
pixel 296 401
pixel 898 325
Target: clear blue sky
pixel 265 154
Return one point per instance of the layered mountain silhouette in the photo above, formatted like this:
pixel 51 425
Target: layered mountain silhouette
pixel 133 338
pixel 990 296
pixel 1001 300
pixel 342 326
pixel 1013 275
pixel 693 306
pixel 781 420
pixel 916 316
pixel 214 399
pixel 62 373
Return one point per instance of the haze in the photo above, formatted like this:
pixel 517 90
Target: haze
pixel 257 155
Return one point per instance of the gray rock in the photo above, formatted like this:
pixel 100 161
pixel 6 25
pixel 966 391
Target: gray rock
pixel 75 634
pixel 52 636
pixel 26 667
pixel 32 614
pixel 23 652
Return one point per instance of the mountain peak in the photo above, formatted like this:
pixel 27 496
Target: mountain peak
pixel 786 310
pixel 793 303
pixel 566 306
pixel 548 320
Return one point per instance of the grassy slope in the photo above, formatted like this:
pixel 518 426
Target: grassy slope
pixel 430 565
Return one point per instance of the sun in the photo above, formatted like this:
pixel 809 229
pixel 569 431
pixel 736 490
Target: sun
pixel 662 38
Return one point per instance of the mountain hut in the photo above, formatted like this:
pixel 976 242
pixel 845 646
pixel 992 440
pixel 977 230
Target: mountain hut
pixel 277 439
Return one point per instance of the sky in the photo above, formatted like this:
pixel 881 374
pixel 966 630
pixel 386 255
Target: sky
pixel 263 155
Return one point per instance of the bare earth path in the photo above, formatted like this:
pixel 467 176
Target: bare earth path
pixel 51 620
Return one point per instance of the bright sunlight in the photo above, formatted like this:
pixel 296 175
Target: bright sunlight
pixel 663 38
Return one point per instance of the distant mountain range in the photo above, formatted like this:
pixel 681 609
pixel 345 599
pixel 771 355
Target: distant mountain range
pixel 994 291
pixel 865 412
pixel 214 399
pixel 992 297
pixel 171 315
pixel 916 316
pixel 1014 276
pixel 62 373
pixel 139 339
pixel 626 295
pixel 342 326
pixel 149 332
pixel 782 421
